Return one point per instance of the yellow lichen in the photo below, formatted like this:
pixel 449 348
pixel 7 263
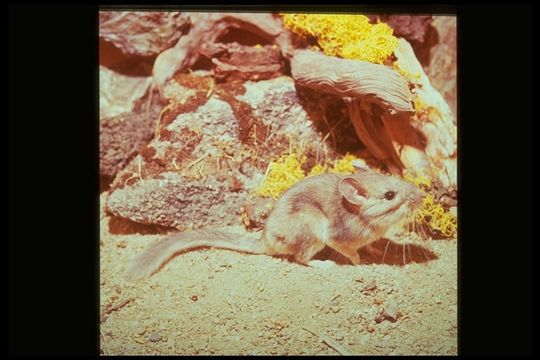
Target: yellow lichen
pixel 422 108
pixel 433 214
pixel 411 77
pixel 284 172
pixel 417 179
pixel 344 165
pixel 318 170
pixel 346 36
pixel 430 212
pixel 281 175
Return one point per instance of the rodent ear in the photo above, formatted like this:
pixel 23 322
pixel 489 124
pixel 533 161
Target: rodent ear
pixel 352 190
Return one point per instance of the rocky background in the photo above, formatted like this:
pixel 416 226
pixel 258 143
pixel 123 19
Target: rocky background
pixel 223 120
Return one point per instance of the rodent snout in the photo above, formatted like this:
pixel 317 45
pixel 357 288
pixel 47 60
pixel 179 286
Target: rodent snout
pixel 416 196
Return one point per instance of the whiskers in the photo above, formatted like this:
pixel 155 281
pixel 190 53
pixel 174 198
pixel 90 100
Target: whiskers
pixel 385 249
pixel 411 224
pixel 408 235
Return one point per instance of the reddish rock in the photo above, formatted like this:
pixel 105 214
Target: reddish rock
pixel 120 138
pixel 442 69
pixel 233 60
pixel 412 28
pixel 142 33
pixel 194 173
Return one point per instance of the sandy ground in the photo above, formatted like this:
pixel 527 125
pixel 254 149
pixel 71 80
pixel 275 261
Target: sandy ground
pixel 212 301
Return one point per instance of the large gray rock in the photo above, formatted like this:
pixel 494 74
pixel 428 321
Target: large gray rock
pixel 177 202
pixel 276 104
pixel 141 33
pixel 173 193
pixel 201 169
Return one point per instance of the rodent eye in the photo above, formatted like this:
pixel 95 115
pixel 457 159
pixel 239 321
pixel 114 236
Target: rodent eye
pixel 389 195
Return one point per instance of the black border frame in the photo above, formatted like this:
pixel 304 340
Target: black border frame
pixel 53 176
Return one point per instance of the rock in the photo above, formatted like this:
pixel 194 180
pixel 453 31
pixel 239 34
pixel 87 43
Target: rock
pixel 373 83
pixel 140 341
pixel 120 138
pixel 391 311
pixel 128 111
pixel 142 33
pixel 322 264
pixel 433 119
pixel 276 103
pixel 170 199
pixel 369 288
pixel 379 318
pixel 208 27
pixel 442 69
pixel 122 244
pixel 155 337
pixel 411 27
pixel 189 176
pixel 119 93
pixel 175 201
pixel 415 29
pixel 233 60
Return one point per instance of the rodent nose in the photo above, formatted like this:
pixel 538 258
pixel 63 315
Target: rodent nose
pixel 416 196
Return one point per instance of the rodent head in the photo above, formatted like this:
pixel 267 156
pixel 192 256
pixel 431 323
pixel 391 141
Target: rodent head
pixel 381 200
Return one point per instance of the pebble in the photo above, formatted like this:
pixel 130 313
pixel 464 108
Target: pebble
pixel 369 287
pixel 390 312
pixel 140 341
pixel 379 318
pixel 154 337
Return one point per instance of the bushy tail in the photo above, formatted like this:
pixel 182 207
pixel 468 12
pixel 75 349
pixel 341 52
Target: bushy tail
pixel 159 252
